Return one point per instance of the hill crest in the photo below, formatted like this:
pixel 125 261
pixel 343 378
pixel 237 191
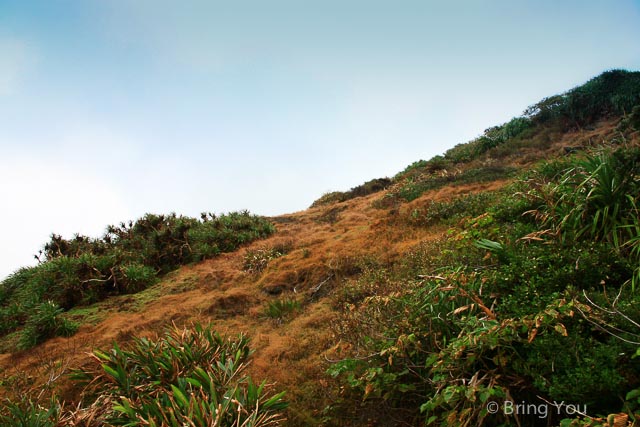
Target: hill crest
pixel 310 293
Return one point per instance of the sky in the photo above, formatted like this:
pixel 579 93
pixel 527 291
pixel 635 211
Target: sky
pixel 110 109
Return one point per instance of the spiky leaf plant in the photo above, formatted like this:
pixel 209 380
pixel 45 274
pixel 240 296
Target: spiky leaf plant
pixel 189 377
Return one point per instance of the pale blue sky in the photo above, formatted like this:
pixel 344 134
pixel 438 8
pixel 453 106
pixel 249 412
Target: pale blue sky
pixel 113 108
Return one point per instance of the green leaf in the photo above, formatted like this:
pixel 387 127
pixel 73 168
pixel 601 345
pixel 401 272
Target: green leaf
pixel 194 382
pixel 101 355
pixel 109 370
pixel 633 394
pixel 275 399
pixel 180 397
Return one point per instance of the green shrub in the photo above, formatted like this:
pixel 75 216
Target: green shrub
pixel 614 92
pixel 188 377
pixel 587 374
pixel 415 167
pixel 127 259
pixel 498 135
pixel 461 153
pixel 28 413
pixel 511 320
pixel 634 118
pixel 329 198
pixel 45 322
pixel 595 199
pixel 137 277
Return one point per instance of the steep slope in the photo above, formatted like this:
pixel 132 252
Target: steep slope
pixel 322 253
pixel 316 258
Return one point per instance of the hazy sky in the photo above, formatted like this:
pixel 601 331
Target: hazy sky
pixel 113 108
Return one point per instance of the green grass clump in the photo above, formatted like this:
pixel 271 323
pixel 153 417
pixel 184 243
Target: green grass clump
pixel 282 309
pixel 45 322
pixel 28 413
pixel 191 377
pixel 188 377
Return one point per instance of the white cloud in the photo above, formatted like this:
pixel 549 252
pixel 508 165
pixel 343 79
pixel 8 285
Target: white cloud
pixel 90 144
pixel 39 198
pixel 16 57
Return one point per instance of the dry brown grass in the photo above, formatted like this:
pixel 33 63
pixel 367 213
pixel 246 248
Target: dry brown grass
pixel 322 255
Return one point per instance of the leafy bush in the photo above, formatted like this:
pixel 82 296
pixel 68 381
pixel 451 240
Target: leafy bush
pixel 45 322
pixel 595 199
pixel 511 321
pixel 329 198
pixel 461 153
pixel 127 259
pixel 188 377
pixel 498 135
pixel 614 92
pixel 137 277
pixel 435 164
pixel 630 122
pixel 27 413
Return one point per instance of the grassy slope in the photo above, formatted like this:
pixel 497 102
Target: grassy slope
pixel 329 244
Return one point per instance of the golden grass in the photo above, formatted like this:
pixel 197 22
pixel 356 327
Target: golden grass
pixel 322 255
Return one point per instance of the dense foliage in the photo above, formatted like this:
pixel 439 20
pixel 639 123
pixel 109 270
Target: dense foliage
pixel 127 259
pixel 533 298
pixel 189 377
pixel 614 93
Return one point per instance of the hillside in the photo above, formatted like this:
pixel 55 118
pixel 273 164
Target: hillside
pixel 505 270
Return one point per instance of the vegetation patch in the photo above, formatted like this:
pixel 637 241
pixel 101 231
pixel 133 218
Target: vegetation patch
pixel 189 377
pixel 533 300
pixel 413 188
pixel 256 260
pixel 282 310
pixel 528 295
pixel 452 210
pixel 331 215
pixel 127 259
pixel 614 93
pixel 369 187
